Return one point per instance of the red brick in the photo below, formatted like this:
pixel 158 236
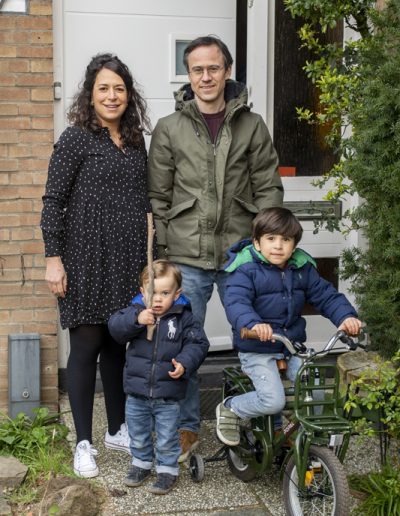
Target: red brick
pixel 33 51
pixel 33 164
pixel 16 206
pixel 32 219
pixel 31 23
pixel 35 109
pixel 15 123
pixel 8 109
pixel 9 137
pixel 42 123
pixel 8 51
pixel 8 79
pixel 40 8
pixel 19 65
pixel 20 151
pixel 32 247
pixel 40 327
pixel 30 192
pixel 18 316
pixel 4 235
pixel 22 234
pixel 41 94
pixel 32 79
pixel 14 94
pixel 4 177
pixel 41 37
pixel 41 65
pixel 8 165
pixel 18 37
pixel 5 247
pixel 7 22
pixel 10 328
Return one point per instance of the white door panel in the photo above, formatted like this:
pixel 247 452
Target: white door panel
pixel 142 34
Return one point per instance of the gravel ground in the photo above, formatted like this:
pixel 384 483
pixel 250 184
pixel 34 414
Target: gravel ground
pixel 220 493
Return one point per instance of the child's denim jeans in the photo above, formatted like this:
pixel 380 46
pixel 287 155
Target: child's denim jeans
pixel 143 415
pixel 269 394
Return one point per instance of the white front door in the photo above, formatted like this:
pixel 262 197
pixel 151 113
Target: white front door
pixel 146 35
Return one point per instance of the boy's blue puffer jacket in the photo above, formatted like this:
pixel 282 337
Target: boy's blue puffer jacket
pixel 259 292
pixel 177 335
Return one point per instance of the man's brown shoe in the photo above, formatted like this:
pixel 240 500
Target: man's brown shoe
pixel 189 441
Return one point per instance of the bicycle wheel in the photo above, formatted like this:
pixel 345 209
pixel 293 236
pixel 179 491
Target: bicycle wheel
pixel 326 491
pixel 242 470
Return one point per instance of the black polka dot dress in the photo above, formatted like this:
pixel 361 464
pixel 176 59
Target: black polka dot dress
pixel 94 217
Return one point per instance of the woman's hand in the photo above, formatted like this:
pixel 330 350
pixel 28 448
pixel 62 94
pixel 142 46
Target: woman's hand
pixel 56 276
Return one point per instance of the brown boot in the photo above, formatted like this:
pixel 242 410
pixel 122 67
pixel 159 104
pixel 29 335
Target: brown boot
pixel 189 441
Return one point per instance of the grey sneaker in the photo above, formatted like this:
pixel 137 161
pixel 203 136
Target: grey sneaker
pixel 227 425
pixel 164 483
pixel 136 476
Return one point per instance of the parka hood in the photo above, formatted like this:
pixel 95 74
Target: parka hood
pixel 234 90
pixel 244 252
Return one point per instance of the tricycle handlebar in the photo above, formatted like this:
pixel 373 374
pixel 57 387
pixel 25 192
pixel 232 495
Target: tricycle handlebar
pixel 296 348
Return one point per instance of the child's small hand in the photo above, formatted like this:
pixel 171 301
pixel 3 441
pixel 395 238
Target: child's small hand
pixel 146 317
pixel 179 370
pixel 264 331
pixel 351 326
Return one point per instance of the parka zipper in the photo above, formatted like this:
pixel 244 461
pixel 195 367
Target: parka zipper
pixel 153 365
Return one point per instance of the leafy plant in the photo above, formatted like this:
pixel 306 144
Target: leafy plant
pixel 358 84
pixel 383 492
pixel 377 391
pixel 23 437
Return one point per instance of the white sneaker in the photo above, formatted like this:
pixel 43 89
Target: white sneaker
pixel 84 463
pixel 119 441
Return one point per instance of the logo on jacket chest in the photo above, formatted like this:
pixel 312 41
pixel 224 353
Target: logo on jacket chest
pixel 171 329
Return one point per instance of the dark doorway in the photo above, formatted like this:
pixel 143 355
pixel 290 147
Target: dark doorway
pixel 241 40
pixel 298 144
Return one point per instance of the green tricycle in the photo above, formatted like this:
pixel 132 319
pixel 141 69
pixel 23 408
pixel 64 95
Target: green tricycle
pixel 313 443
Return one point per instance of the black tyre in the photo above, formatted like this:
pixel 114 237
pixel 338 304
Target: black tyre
pixel 239 467
pixel 196 467
pixel 327 492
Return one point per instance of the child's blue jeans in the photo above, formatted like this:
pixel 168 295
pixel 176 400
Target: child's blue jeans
pixel 143 415
pixel 269 394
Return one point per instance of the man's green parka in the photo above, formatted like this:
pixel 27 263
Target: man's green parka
pixel 205 195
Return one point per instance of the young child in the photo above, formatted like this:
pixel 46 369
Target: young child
pixel 271 281
pixel 157 371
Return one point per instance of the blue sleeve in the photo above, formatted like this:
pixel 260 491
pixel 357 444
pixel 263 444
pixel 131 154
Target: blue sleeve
pixel 123 325
pixel 238 301
pixel 327 300
pixel 194 346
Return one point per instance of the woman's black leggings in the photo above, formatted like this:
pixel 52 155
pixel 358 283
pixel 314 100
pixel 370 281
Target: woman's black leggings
pixel 87 343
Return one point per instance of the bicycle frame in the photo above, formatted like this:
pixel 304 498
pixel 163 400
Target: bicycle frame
pixel 314 421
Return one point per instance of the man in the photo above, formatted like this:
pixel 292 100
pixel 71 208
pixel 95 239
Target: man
pixel 212 167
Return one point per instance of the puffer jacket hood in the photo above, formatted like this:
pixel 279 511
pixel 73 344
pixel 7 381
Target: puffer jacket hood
pixel 244 252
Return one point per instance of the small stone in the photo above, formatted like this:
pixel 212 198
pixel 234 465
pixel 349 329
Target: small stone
pixel 12 472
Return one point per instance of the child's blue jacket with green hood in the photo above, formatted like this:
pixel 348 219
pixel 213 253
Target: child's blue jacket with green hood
pixel 260 292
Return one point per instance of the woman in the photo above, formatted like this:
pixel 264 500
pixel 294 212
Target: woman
pixel 94 229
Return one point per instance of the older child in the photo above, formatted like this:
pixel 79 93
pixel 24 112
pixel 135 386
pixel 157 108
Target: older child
pixel 271 281
pixel 156 373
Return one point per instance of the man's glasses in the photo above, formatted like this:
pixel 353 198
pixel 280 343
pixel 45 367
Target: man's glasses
pixel 198 71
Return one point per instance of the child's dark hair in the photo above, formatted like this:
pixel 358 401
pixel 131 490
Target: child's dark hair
pixel 162 268
pixel 277 221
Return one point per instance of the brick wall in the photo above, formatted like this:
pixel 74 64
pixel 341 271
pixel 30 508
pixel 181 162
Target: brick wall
pixel 26 139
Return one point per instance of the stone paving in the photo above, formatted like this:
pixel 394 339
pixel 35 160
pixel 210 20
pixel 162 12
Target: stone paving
pixel 220 493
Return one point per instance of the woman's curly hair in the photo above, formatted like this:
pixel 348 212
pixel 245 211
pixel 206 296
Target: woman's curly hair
pixel 134 120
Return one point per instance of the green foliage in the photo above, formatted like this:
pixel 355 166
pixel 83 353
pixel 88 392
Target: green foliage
pixel 23 437
pixel 378 389
pixel 41 444
pixel 359 88
pixel 383 492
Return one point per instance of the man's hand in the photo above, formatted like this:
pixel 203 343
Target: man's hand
pixel 179 370
pixel 146 317
pixel 351 326
pixel 264 331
